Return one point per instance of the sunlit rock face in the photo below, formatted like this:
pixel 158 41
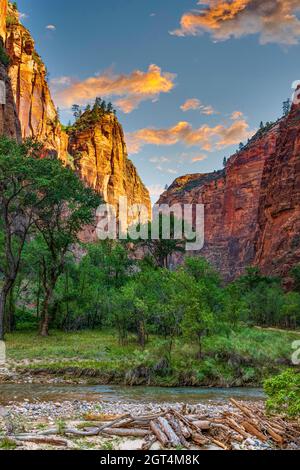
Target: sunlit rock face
pixel 37 113
pixel 252 213
pixel 3 13
pixel 98 154
pixel 9 122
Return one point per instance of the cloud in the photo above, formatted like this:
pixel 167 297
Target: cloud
pixel 155 190
pixel 159 160
pixel 23 16
pixel 275 21
pixel 131 89
pixel 199 158
pixel 236 115
pixel 193 104
pixel 51 27
pixel 206 137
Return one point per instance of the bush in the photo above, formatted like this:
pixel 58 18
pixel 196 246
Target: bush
pixel 25 320
pixel 284 393
pixel 4 58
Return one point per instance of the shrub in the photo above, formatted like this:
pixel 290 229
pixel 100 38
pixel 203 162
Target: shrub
pixel 284 393
pixel 4 58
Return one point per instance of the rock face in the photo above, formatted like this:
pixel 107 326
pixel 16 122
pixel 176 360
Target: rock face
pixel 3 14
pixel 252 214
pixel 278 243
pixel 35 108
pixel 98 154
pixel 9 122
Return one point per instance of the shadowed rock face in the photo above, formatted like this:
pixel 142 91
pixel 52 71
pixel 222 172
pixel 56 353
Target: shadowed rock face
pixel 278 244
pixel 98 154
pixel 252 213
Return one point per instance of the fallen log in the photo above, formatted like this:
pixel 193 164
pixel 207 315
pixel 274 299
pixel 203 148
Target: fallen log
pixel 115 422
pixel 126 432
pixel 237 428
pixel 169 432
pixel 203 425
pixel 198 439
pixel 220 444
pixel 254 431
pixel 149 443
pixel 177 428
pixel 160 435
pixel 242 408
pixel 42 440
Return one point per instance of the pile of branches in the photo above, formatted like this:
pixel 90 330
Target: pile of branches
pixel 174 429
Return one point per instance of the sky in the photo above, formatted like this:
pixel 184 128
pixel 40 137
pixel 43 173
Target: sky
pixel 190 79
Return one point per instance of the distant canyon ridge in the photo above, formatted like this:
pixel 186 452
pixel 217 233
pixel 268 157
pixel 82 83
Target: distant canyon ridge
pixel 252 207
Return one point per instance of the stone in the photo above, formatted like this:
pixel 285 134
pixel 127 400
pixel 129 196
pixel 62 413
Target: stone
pixel 252 207
pixel 97 154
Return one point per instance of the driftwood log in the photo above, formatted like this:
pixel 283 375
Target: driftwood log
pixel 172 428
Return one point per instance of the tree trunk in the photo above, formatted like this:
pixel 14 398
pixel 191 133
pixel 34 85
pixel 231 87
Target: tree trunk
pixel 4 292
pixel 45 314
pixel 9 322
pixel 141 333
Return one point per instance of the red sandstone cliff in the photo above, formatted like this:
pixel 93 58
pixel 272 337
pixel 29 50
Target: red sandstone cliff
pixel 98 153
pixel 9 122
pixel 252 213
pixel 3 13
pixel 100 157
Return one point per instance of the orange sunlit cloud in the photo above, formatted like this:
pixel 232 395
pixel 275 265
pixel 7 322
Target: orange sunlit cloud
pixel 275 21
pixel 193 104
pixel 206 137
pixel 199 158
pixel 130 89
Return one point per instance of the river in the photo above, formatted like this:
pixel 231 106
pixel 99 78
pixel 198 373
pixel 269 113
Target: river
pixel 59 393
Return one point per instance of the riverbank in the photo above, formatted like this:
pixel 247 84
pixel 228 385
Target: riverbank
pixel 85 425
pixel 236 358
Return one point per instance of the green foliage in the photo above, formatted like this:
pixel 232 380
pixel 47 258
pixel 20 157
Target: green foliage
pixel 284 393
pixel 7 444
pixel 295 272
pixel 160 238
pixel 90 115
pixel 11 20
pixel 4 57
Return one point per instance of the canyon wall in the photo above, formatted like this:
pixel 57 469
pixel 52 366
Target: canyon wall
pixel 9 122
pixel 3 14
pixel 98 153
pixel 252 206
pixel 100 156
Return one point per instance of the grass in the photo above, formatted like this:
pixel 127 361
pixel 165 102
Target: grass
pixel 245 356
pixel 7 444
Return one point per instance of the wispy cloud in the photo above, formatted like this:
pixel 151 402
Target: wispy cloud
pixel 193 104
pixel 205 137
pixel 199 158
pixel 51 27
pixel 131 89
pixel 236 115
pixel 23 16
pixel 159 160
pixel 155 191
pixel 275 21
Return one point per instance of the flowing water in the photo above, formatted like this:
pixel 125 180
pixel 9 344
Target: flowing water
pixel 58 393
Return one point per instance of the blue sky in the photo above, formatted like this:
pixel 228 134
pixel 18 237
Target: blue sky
pixel 251 72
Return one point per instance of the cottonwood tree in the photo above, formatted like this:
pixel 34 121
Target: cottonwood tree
pixel 68 207
pixel 24 178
